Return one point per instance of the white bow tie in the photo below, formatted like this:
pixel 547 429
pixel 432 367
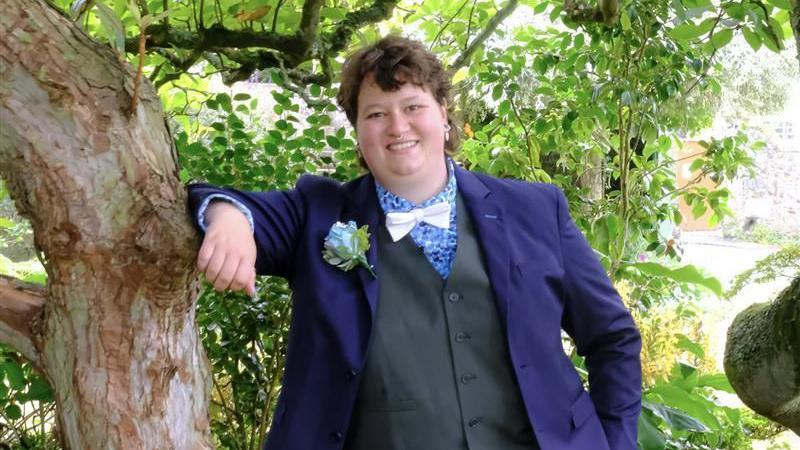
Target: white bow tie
pixel 400 223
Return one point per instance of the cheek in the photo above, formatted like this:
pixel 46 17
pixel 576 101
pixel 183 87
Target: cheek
pixel 366 135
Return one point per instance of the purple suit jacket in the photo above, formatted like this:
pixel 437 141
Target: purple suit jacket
pixel 544 275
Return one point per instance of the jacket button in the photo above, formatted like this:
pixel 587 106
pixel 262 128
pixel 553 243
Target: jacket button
pixel 453 297
pixel 474 421
pixel 461 336
pixel 337 436
pixel 352 374
pixel 467 378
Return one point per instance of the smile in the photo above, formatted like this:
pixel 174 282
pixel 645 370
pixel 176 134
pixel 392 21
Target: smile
pixel 402 145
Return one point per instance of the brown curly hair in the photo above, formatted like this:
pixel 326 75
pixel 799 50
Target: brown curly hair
pixel 394 61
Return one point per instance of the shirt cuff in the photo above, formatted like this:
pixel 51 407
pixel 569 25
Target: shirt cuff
pixel 201 212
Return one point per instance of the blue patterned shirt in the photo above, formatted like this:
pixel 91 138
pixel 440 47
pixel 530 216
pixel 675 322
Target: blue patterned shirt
pixel 438 244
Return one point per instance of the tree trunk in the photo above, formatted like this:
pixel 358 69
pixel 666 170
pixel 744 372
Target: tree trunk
pixel 114 330
pixel 762 357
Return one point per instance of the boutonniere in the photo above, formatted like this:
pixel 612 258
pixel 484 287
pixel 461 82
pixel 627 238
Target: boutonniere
pixel 346 246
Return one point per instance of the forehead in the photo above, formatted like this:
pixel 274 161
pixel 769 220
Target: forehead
pixel 370 94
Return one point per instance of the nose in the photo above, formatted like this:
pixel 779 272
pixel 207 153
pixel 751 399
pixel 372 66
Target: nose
pixel 398 125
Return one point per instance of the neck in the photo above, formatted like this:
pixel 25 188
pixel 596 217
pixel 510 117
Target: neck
pixel 421 187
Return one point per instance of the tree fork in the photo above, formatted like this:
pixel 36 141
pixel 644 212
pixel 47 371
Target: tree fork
pixel 116 334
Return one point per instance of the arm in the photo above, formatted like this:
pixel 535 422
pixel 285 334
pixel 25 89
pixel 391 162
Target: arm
pixel 269 245
pixel 604 332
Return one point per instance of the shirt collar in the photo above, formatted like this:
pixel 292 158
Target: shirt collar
pixel 391 203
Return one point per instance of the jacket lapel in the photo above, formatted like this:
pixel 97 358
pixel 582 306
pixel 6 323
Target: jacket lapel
pixel 363 208
pixel 487 214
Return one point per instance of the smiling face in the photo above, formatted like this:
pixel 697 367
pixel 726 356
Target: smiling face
pixel 401 135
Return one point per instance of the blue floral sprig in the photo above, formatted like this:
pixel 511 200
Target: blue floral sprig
pixel 346 247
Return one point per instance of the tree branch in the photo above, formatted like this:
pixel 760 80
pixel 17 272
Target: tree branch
pixel 338 39
pixel 310 21
pixel 498 18
pixel 21 306
pixel 606 12
pixel 273 49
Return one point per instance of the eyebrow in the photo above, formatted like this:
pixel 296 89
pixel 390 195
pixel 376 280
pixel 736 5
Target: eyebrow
pixel 410 98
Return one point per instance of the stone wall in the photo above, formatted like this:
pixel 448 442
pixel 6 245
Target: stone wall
pixel 772 197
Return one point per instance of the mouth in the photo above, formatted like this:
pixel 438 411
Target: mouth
pixel 401 145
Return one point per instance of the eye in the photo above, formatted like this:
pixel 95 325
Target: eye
pixel 415 107
pixel 375 114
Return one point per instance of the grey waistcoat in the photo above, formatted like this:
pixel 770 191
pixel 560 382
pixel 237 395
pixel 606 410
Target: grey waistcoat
pixel 438 374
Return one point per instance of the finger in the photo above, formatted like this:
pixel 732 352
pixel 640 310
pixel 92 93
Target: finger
pixel 241 277
pixel 226 273
pixel 251 284
pixel 215 266
pixel 204 254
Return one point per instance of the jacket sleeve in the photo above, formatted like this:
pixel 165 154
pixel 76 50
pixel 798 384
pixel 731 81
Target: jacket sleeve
pixel 277 218
pixel 604 333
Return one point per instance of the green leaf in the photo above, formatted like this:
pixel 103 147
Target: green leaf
pixel 722 37
pixel 13 412
pixel 690 346
pixel 460 75
pixel 753 39
pixel 781 4
pixel 625 20
pixel 14 373
pixel 242 96
pixel 225 102
pixel 6 223
pixel 692 406
pixel 40 390
pixel 674 418
pixel 686 31
pixel 115 31
pixel 686 274
pixel 133 8
pixel 333 141
pixel 649 436
pixel 718 381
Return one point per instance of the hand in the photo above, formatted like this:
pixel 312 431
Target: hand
pixel 228 253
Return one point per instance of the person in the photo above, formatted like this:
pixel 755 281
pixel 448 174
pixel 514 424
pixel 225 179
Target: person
pixel 428 300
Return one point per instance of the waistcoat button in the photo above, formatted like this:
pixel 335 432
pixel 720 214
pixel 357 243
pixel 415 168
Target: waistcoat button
pixel 453 297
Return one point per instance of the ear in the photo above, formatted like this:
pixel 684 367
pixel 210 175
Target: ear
pixel 443 110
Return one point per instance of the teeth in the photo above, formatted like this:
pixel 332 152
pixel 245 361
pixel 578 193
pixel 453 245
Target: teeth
pixel 402 146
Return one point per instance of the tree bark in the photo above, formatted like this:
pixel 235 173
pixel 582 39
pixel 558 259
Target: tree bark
pixel 762 357
pixel 116 335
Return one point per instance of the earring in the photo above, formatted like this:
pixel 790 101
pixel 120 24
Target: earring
pixel 446 132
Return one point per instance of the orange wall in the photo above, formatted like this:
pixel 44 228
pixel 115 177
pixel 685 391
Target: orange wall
pixel 683 176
